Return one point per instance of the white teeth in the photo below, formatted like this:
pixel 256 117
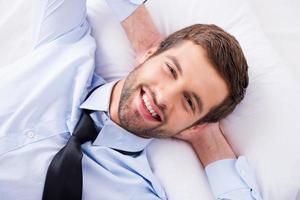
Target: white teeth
pixel 148 106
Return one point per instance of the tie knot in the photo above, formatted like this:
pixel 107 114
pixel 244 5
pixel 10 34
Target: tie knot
pixel 85 129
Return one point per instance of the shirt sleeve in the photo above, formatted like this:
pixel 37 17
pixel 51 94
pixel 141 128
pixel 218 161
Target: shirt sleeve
pixel 232 179
pixel 123 8
pixel 48 24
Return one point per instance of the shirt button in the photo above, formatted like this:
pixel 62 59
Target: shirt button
pixel 30 134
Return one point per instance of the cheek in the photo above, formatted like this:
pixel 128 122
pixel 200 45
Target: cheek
pixel 179 120
pixel 153 72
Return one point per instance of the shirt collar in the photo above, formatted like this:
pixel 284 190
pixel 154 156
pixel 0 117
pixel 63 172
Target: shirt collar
pixel 111 134
pixel 100 98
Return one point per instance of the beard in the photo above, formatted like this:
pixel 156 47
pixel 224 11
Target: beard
pixel 130 118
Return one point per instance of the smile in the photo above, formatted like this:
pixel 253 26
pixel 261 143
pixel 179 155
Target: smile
pixel 148 108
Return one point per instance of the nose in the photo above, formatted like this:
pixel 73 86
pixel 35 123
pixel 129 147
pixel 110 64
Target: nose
pixel 167 96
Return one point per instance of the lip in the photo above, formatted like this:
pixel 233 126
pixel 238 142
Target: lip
pixel 146 91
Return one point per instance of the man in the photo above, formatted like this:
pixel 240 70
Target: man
pixel 196 76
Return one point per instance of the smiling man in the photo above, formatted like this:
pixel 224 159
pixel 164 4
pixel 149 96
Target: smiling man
pixel 171 84
pixel 67 134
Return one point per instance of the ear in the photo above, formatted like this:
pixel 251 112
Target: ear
pixel 143 57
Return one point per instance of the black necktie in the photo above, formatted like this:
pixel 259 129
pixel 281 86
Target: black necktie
pixel 64 175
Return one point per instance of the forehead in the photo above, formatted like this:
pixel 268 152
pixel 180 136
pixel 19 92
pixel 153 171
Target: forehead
pixel 198 73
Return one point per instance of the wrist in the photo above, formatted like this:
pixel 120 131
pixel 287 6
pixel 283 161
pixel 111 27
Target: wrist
pixel 211 147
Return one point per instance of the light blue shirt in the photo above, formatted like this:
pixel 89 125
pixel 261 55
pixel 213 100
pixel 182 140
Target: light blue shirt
pixel 41 97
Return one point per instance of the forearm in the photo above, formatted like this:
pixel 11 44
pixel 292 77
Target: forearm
pixel 229 177
pixel 141 30
pixel 212 147
pixel 137 24
pixel 223 168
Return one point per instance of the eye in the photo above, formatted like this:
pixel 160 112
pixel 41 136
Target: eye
pixel 173 72
pixel 189 101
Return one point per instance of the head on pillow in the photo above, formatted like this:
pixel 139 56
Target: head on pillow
pixel 195 76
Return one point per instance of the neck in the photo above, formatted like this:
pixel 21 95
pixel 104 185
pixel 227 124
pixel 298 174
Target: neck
pixel 114 101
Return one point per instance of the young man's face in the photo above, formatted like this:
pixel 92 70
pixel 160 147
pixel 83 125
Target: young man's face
pixel 170 91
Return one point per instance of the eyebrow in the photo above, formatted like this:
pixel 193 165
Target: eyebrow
pixel 199 101
pixel 176 63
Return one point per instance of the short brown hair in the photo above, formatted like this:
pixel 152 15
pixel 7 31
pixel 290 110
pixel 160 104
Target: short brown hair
pixel 226 55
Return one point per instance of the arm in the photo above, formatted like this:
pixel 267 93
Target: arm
pixel 141 31
pixel 137 24
pixel 229 178
pixel 48 23
pixel 211 146
pixel 66 19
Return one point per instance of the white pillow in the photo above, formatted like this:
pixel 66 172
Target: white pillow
pixel 264 127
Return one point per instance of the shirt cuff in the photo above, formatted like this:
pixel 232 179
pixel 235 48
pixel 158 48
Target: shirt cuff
pixel 230 175
pixel 123 8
